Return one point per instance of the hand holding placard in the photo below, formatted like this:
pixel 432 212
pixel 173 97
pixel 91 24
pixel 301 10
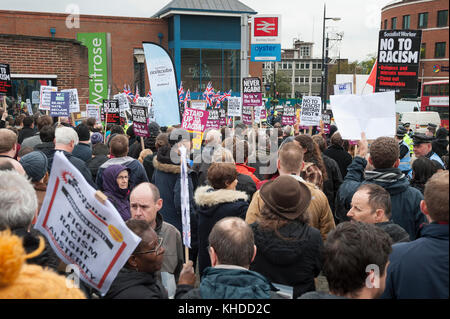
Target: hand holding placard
pixel 363 146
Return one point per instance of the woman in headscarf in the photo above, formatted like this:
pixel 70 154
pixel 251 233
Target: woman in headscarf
pixel 116 188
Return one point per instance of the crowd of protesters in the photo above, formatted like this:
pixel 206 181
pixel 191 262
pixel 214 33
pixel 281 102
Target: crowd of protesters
pixel 263 215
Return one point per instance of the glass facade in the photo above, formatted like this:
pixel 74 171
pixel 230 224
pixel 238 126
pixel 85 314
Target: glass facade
pixel 200 66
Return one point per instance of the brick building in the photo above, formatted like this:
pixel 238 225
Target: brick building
pixel 431 16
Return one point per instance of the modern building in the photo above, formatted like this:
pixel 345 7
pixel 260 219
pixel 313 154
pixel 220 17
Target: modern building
pixel 204 39
pixel 430 16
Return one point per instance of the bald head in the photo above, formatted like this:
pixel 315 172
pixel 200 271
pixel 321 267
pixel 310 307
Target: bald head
pixel 145 202
pixel 8 141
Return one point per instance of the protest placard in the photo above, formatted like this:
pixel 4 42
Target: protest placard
pixel 5 80
pixel 311 112
pixel 29 107
pixel 44 97
pixel 140 121
pixel 234 106
pixel 124 104
pixel 35 97
pixel 398 61
pixel 59 104
pixel 194 120
pixel 343 88
pixel 74 104
pixel 198 105
pixel 222 117
pixel 85 233
pixel 288 117
pixel 373 114
pixel 93 110
pixel 213 120
pixel 247 112
pixel 252 95
pixel 111 109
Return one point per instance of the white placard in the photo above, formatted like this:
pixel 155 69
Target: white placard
pixel 124 104
pixel 29 107
pixel 74 104
pixel 343 88
pixel 373 114
pixel 198 105
pixel 234 106
pixel 93 110
pixel 311 112
pixel 84 232
pixel 44 97
pixel 35 97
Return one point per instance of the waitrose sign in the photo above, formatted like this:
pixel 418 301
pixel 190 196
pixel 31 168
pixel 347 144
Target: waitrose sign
pixel 98 73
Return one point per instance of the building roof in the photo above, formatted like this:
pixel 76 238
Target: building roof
pixel 204 6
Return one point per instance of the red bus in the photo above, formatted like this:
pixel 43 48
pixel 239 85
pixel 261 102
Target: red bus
pixel 435 99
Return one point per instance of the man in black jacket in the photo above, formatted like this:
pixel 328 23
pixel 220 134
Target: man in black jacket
pixel 27 130
pixel 337 152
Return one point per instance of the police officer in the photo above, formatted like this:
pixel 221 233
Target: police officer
pixel 405 158
pixel 422 147
pixel 407 138
pixel 431 130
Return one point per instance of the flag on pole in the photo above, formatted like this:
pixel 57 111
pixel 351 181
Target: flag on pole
pixel 373 76
pixel 129 93
pixel 149 93
pixel 180 92
pixel 185 209
pixel 187 98
pixel 136 95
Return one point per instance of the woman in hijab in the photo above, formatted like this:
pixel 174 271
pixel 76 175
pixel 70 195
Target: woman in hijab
pixel 116 188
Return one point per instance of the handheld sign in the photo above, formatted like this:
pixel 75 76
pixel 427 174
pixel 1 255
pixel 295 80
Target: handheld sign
pixel 373 114
pixel 73 100
pixel 112 112
pixel 5 80
pixel 59 104
pixel 247 113
pixel 124 104
pixel 194 120
pixel 288 117
pixel 29 107
pixel 198 105
pixel 234 106
pixel 213 120
pixel 311 112
pixel 93 110
pixel 140 125
pixel 252 95
pixel 343 88
pixel 83 231
pixel 44 100
pixel 398 61
pixel 185 207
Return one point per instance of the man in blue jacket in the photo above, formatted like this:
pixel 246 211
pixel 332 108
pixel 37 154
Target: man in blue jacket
pixel 419 269
pixel 384 157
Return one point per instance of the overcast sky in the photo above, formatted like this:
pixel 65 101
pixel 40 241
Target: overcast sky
pixel 303 19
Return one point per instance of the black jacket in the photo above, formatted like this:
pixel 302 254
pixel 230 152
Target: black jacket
pixel 294 262
pixel 212 206
pixel 94 164
pixel 131 284
pixel 334 180
pixel 342 158
pixel 24 133
pixel 396 232
pixel 48 148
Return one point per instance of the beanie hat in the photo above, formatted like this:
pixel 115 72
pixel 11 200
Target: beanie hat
pixel 35 165
pixel 96 138
pixel 83 132
pixel 153 129
pixel 21 281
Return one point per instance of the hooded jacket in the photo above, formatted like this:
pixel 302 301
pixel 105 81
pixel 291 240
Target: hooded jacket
pixel 118 197
pixel 232 282
pixel 342 158
pixel 419 269
pixel 212 206
pixel 131 284
pixel 404 198
pixel 48 148
pixel 295 261
pixel 137 171
pixel 439 145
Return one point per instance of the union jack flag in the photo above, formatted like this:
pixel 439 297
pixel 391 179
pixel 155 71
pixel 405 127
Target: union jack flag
pixel 137 95
pixel 226 95
pixel 209 91
pixel 128 92
pixel 187 98
pixel 180 92
pixel 149 93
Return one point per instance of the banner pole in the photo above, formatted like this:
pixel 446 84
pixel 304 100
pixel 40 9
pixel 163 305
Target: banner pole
pixel 310 131
pixel 186 253
pixel 142 143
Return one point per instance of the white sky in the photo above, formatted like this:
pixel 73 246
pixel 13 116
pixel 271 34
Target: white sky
pixel 360 19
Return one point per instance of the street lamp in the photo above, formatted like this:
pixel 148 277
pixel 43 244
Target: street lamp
pixel 323 91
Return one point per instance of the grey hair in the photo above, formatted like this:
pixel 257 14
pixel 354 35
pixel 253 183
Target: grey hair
pixel 64 135
pixel 18 200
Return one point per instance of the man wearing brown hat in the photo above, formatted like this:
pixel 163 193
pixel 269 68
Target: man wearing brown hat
pixel 290 162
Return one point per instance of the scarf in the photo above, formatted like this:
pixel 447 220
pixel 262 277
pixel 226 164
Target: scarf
pixel 388 175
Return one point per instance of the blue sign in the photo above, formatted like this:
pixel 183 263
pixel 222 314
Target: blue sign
pixel 265 53
pixel 59 104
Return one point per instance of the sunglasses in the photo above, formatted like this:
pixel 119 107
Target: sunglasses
pixel 154 250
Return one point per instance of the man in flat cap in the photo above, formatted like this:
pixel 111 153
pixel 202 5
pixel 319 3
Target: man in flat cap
pixel 422 147
pixel 431 130
pixel 405 158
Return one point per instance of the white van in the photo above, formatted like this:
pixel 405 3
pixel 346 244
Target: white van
pixel 419 120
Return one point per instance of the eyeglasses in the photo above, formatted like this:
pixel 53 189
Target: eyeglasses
pixel 155 250
pixel 122 177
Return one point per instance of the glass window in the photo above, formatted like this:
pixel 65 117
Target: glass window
pixel 426 90
pixel 394 23
pixel 232 70
pixel 302 66
pixel 302 80
pixel 190 69
pixel 306 80
pixel 443 89
pixel 435 90
pixel 314 66
pixel 139 76
pixel 297 80
pixel 22 89
pixel 307 66
pixel 423 20
pixel 297 66
pixel 290 66
pixel 442 17
pixel 385 24
pixel 319 80
pixel 439 51
pixel 406 22
pixel 319 66
pixel 313 80
pixel 423 50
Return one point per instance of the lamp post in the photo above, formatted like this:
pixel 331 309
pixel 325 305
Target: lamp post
pixel 323 91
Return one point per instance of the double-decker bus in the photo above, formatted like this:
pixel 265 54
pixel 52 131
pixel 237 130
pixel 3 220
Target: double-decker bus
pixel 435 99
